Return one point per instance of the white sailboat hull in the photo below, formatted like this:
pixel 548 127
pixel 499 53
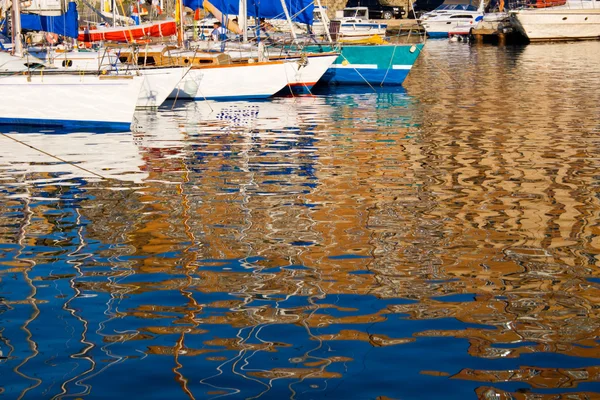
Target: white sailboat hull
pixel 159 82
pixel 232 81
pixel 558 24
pixel 158 85
pixel 303 73
pixel 69 99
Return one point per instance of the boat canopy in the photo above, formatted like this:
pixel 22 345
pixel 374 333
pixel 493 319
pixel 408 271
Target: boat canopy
pixel 300 10
pixel 64 25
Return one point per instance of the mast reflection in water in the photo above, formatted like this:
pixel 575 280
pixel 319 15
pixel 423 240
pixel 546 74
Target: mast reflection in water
pixel 438 241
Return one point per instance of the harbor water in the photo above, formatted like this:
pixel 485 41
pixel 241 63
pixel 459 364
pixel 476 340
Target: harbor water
pixel 435 241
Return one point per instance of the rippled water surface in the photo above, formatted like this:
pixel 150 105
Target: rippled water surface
pixel 437 241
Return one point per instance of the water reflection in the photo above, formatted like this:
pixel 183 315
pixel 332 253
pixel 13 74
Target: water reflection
pixel 434 241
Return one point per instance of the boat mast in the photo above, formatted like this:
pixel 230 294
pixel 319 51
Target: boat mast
pixel 289 19
pixel 325 20
pixel 243 20
pixel 16 29
pixel 113 5
pixel 179 14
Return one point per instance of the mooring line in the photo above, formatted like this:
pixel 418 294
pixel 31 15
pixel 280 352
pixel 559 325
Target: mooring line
pixel 53 156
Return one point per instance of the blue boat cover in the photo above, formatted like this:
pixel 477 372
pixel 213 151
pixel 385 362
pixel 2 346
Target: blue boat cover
pixel 64 25
pixel 300 10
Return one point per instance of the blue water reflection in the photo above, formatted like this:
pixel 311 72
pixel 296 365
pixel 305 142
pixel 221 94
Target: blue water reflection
pixel 404 243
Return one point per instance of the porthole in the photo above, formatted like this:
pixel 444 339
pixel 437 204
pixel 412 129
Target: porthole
pixel 564 18
pixel 67 63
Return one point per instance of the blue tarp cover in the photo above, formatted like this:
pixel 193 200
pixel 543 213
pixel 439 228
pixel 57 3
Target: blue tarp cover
pixel 300 10
pixel 65 25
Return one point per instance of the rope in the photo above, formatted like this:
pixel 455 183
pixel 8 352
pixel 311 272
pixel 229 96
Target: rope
pixel 422 50
pixel 53 156
pixel 389 66
pixel 359 74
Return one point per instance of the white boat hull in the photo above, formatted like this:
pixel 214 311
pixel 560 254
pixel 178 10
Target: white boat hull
pixel 348 30
pixel 303 73
pixel 158 85
pixel 559 24
pixel 233 81
pixel 441 26
pixel 69 99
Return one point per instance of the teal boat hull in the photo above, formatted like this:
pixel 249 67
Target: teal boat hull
pixel 379 65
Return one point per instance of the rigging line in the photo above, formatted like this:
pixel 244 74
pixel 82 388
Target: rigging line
pixel 53 156
pixel 359 74
pixel 438 66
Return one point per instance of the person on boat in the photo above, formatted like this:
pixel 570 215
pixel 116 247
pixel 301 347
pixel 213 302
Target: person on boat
pixel 219 33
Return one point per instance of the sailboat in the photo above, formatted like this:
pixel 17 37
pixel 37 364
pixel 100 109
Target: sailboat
pixel 158 82
pixel 214 75
pixel 355 64
pixel 303 69
pixel 374 64
pixel 35 95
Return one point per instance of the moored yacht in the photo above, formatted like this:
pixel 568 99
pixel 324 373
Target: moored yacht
pixel 573 20
pixel 34 95
pixel 159 82
pixel 452 19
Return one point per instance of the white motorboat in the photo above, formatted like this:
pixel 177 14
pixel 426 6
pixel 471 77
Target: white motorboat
pixel 452 19
pixel 353 25
pixel 573 20
pixel 457 22
pixel 449 8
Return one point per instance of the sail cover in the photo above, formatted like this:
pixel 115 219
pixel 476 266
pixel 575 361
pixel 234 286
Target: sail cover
pixel 300 10
pixel 64 25
pixel 130 33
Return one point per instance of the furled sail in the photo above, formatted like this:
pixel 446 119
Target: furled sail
pixel 300 10
pixel 64 25
pixel 129 33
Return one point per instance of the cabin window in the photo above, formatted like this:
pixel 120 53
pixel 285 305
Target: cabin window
pixel 361 13
pixel 460 16
pixel 205 61
pixel 142 60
